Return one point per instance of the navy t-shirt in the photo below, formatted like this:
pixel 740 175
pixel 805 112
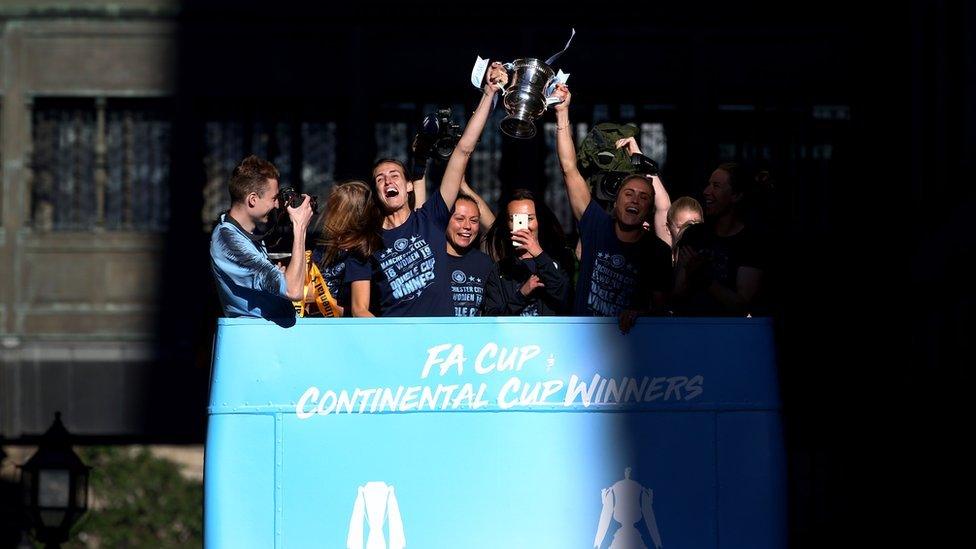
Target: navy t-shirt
pixel 468 275
pixel 617 275
pixel 346 268
pixel 726 255
pixel 413 279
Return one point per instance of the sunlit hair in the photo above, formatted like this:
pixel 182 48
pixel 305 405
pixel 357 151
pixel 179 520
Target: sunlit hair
pixel 250 176
pixel 638 177
pixel 411 197
pixel 476 243
pixel 469 198
pixel 350 221
pixel 551 236
pixel 401 165
pixel 685 203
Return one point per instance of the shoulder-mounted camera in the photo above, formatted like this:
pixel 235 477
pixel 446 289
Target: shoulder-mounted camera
pixel 604 165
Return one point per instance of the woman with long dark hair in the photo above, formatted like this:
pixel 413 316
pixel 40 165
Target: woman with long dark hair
pixel 349 237
pixel 531 275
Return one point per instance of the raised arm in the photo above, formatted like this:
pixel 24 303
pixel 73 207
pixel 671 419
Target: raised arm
pixel 662 201
pixel 576 187
pixel 420 191
pixel 451 184
pixel 296 270
pixel 484 210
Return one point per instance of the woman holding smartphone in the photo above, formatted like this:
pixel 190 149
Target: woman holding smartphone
pixel 531 274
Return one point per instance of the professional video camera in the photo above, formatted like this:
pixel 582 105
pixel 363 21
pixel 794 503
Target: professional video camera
pixel 608 183
pixel 437 136
pixel 604 165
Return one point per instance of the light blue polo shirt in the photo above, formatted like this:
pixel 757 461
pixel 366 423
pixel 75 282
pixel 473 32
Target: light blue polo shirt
pixel 248 283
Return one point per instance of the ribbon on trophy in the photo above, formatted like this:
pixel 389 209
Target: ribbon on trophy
pixel 529 92
pixel 480 68
pixel 314 281
pixel 555 56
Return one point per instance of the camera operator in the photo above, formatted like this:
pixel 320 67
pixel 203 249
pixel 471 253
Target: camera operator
pixel 625 270
pixel 248 284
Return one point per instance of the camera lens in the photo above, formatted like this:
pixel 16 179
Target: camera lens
pixel 444 147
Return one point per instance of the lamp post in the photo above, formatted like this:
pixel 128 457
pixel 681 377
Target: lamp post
pixel 55 486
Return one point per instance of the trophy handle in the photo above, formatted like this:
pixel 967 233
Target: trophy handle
pixel 510 68
pixel 479 74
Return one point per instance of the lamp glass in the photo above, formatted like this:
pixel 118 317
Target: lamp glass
pixel 54 488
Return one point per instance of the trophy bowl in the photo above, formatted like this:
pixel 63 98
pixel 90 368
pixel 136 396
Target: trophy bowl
pixel 525 97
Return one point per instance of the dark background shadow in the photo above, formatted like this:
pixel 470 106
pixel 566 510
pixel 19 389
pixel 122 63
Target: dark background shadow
pixel 869 326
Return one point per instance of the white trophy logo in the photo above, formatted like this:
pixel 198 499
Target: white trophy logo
pixel 626 502
pixel 375 504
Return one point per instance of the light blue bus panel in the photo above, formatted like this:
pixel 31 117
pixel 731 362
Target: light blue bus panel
pixel 487 433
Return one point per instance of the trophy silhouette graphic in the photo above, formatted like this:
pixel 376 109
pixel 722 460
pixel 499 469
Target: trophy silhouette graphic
pixel 375 504
pixel 627 502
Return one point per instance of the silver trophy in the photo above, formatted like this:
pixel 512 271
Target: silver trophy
pixel 526 96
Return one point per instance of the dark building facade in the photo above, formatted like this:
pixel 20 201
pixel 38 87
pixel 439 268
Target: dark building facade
pixel 120 121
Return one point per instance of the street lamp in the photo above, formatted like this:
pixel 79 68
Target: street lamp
pixel 55 486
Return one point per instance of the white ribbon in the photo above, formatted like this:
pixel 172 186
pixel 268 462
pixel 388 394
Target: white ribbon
pixel 552 59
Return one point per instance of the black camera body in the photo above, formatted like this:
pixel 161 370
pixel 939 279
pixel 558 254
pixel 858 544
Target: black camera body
pixel 289 197
pixel 437 136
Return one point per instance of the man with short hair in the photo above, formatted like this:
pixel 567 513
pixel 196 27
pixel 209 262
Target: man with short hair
pixel 248 284
pixel 625 270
